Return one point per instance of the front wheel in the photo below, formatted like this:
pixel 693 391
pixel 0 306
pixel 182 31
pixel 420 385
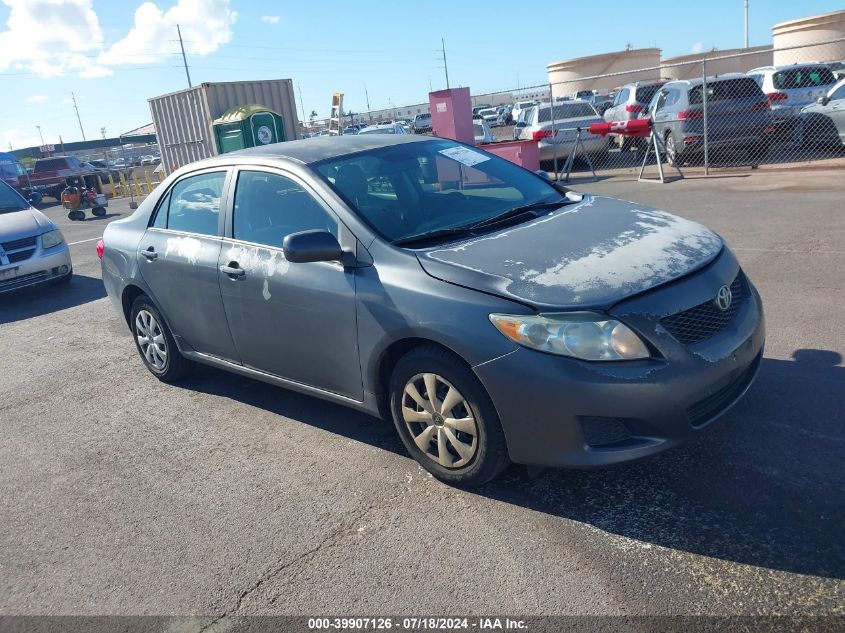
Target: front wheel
pixel 155 342
pixel 446 419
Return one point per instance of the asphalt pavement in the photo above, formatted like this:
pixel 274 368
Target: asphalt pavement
pixel 223 496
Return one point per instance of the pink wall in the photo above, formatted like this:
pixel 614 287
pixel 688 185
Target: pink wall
pixel 451 114
pixel 523 153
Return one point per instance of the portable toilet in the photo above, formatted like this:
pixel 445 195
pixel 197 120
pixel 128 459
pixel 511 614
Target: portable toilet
pixel 245 126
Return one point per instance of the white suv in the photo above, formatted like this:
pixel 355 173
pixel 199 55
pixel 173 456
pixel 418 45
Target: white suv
pixel 790 88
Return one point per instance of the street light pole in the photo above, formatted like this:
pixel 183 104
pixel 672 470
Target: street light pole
pixel 40 134
pixel 746 23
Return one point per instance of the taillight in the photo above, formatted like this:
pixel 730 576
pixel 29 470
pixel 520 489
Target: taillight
pixel 538 134
pixel 777 96
pixel 101 248
pixel 634 108
pixel 762 105
pixel 690 115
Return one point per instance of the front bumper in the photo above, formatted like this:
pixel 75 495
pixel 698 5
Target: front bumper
pixel 557 411
pixel 42 266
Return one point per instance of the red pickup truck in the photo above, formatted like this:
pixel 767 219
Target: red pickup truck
pixel 52 175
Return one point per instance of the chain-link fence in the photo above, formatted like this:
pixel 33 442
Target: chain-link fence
pixel 760 106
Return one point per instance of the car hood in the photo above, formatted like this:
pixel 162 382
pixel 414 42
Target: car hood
pixel 591 254
pixel 19 224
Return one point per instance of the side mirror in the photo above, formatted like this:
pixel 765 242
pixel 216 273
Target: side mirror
pixel 312 246
pixel 823 100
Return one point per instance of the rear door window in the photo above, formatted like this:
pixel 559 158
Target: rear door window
pixel 725 90
pixel 193 204
pixel 645 93
pixel 803 77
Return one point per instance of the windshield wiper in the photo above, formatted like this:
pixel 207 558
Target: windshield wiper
pixel 468 229
pixel 430 235
pixel 517 211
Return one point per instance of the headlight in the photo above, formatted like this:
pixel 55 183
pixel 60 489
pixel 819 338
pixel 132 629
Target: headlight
pixel 584 335
pixel 52 238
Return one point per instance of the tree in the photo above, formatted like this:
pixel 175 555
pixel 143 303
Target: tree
pixel 313 115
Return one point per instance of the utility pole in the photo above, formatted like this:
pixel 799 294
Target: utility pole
pixel 103 132
pixel 40 134
pixel 73 96
pixel 184 59
pixel 369 112
pixel 445 66
pixel 746 23
pixel 301 102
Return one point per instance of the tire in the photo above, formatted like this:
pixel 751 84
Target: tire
pixel 160 355
pixel 468 460
pixel 673 157
pixel 99 211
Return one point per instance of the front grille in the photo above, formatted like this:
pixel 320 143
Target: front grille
pixel 708 408
pixel 23 280
pixel 26 242
pixel 23 249
pixel 705 320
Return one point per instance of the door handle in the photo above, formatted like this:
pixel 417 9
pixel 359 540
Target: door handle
pixel 233 270
pixel 150 253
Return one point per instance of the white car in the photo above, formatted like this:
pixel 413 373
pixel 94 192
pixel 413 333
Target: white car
pixel 483 133
pixel 519 107
pixel 791 88
pixel 488 114
pixel 384 128
pixel 556 129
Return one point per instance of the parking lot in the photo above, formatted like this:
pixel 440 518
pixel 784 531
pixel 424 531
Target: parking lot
pixel 223 496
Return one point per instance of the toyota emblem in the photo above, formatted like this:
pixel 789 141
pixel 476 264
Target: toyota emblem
pixel 724 298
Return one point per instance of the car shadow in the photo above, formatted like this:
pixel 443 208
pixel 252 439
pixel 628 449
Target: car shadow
pixel 763 485
pixel 45 299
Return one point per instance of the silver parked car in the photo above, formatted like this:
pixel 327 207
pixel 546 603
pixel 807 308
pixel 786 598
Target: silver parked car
pixel 790 88
pixel 32 248
pixel 556 129
pixel 481 130
pixel 823 122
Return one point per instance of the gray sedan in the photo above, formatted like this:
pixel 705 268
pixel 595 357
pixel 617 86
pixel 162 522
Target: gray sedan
pixel 492 315
pixel 32 249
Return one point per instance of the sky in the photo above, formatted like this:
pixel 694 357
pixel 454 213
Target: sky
pixel 113 55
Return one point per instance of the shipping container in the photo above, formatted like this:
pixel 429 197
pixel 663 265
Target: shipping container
pixel 183 119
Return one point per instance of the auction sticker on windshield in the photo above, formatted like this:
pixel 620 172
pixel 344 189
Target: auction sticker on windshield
pixel 464 155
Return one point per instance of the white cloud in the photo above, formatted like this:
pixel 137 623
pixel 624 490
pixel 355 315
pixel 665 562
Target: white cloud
pixel 36 98
pixel 698 47
pixel 270 19
pixel 206 25
pixel 49 37
pixel 19 139
pixel 93 72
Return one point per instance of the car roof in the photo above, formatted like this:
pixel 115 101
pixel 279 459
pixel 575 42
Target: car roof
pixel 765 69
pixel 697 81
pixel 319 148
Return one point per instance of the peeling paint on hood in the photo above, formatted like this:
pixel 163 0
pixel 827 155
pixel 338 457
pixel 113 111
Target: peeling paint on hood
pixel 592 254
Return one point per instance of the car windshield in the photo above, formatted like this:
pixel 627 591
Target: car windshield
pixel 644 94
pixel 566 111
pixel 11 200
pixel 410 189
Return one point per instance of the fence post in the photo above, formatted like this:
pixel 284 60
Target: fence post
pixel 704 105
pixel 554 132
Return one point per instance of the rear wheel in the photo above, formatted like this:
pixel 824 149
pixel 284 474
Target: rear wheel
pixel 673 156
pixel 155 342
pixel 445 418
